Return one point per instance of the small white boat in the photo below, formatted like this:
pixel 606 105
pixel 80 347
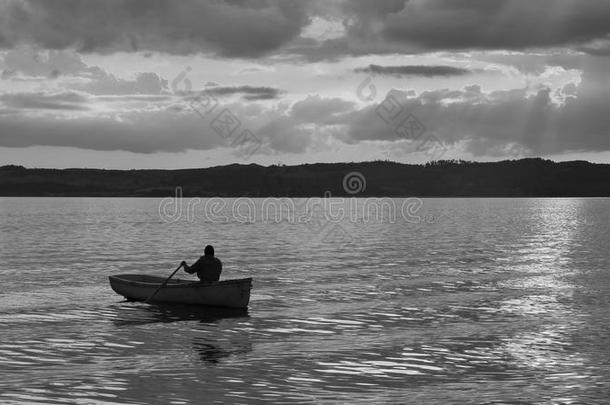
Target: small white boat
pixel 225 293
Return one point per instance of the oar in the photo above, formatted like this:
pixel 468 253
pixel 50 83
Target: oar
pixel 163 284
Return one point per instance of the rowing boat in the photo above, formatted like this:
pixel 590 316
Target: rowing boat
pixel 226 293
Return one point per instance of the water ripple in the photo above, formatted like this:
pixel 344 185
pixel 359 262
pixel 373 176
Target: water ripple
pixel 501 301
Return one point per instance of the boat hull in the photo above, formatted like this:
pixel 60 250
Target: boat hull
pixel 226 293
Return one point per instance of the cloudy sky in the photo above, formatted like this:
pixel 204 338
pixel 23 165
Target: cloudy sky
pixel 172 84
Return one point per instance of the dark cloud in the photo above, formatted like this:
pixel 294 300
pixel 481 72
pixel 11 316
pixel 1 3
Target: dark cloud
pixel 295 130
pixel 32 63
pixel 147 98
pixel 534 63
pixel 173 129
pixel 541 123
pixel 282 134
pixel 544 122
pixel 229 28
pixel 253 29
pixel 497 24
pixel 108 84
pixel 414 70
pixel 247 92
pixel 298 128
pixel 139 132
pixel 316 109
pixel 40 101
pixel 363 16
pixel 415 26
pixel 598 48
pixel 334 49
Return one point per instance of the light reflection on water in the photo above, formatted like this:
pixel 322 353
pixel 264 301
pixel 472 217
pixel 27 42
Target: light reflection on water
pixel 499 300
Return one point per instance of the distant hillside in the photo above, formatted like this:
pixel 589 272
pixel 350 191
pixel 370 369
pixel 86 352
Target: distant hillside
pixel 514 178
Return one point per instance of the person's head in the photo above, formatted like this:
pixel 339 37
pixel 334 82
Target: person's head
pixel 209 250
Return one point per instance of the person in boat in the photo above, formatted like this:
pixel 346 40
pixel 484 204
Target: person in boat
pixel 208 267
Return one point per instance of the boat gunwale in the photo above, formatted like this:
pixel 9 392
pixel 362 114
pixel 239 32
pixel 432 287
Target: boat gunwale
pixel 182 284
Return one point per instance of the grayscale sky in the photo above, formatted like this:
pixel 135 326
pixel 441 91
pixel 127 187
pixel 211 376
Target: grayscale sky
pixel 113 84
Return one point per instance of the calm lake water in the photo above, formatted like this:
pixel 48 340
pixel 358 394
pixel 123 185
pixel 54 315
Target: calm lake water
pixel 476 301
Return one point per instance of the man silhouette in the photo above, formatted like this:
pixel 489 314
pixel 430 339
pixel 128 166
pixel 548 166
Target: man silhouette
pixel 208 267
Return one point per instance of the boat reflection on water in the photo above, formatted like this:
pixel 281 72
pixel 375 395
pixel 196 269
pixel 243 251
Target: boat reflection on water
pixel 212 352
pixel 135 313
pixel 196 323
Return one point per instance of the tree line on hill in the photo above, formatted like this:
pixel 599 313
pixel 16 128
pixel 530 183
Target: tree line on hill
pixel 532 177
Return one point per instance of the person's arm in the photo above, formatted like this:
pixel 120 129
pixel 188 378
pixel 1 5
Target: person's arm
pixel 190 269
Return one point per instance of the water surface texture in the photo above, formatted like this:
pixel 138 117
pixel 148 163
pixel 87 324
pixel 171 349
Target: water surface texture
pixel 477 301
